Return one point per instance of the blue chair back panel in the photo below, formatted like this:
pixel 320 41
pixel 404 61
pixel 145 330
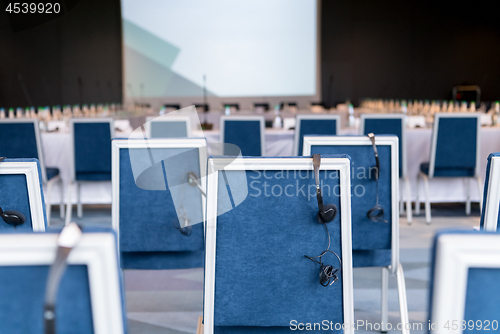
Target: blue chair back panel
pixel 262 278
pixel 456 143
pixel 387 126
pixel 18 140
pixel 92 151
pixel 315 127
pixel 23 290
pixel 14 196
pixel 367 235
pixel 148 238
pixel 486 190
pixel 168 129
pixel 245 135
pixel 481 301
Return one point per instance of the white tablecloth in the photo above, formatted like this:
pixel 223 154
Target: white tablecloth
pixel 56 148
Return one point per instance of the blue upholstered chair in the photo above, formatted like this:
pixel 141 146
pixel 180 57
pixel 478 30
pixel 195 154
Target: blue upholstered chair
pixel 21 190
pixel 151 197
pixel 313 125
pixel 168 127
pixel 91 157
pixel 374 243
pixel 246 132
pixel 20 138
pixel 464 282
pixel 391 124
pixel 490 219
pixel 261 221
pixel 454 153
pixel 90 297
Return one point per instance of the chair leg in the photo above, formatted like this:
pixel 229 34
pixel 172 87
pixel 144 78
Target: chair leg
pixel 48 205
pixel 408 200
pixel 79 208
pixel 467 201
pixel 417 199
pixel 61 205
pixel 403 303
pixel 69 205
pixel 384 300
pixel 401 202
pixel 480 188
pixel 199 329
pixel 427 200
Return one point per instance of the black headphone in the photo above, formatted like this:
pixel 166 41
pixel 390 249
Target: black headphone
pixel 376 214
pixel 14 218
pixel 328 274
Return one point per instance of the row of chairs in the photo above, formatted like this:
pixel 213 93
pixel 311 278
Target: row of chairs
pixel 243 227
pixel 455 145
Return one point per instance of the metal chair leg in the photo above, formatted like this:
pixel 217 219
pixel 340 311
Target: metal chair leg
pixel 79 208
pixel 69 205
pixel 384 300
pixel 480 188
pixel 427 200
pixel 409 215
pixel 403 303
pixel 48 204
pixel 61 205
pixel 417 199
pixel 467 201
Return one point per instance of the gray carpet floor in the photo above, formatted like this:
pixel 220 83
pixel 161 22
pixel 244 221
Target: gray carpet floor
pixel 170 301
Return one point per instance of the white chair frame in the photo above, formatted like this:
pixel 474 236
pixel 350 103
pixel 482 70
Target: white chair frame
pixel 47 183
pixel 432 161
pixel 395 268
pixel 73 182
pixel 260 119
pixel 301 117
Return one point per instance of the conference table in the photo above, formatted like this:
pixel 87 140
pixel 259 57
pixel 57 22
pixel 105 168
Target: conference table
pixel 56 147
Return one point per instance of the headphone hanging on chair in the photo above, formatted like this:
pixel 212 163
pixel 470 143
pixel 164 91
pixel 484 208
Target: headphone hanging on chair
pixel 328 274
pixel 376 214
pixel 11 217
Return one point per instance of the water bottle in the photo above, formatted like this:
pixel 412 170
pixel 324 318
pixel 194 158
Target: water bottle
pixel 2 113
pixel 472 107
pixel 227 111
pixel 11 113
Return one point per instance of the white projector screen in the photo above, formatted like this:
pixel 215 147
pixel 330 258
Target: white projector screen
pixel 246 49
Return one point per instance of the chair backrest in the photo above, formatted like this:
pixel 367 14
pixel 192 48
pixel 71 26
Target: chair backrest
pixel 374 244
pixel 246 132
pixel 455 144
pixel 91 144
pixel 464 282
pixel 20 138
pixel 151 194
pixel 314 125
pixel 490 218
pixel 387 124
pixel 256 275
pixel 90 296
pixel 21 190
pixel 168 127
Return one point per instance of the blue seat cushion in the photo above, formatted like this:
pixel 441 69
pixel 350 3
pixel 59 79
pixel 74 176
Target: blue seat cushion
pixel 51 172
pixel 448 171
pixel 92 176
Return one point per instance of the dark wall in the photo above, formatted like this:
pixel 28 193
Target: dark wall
pixel 75 58
pixel 412 49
